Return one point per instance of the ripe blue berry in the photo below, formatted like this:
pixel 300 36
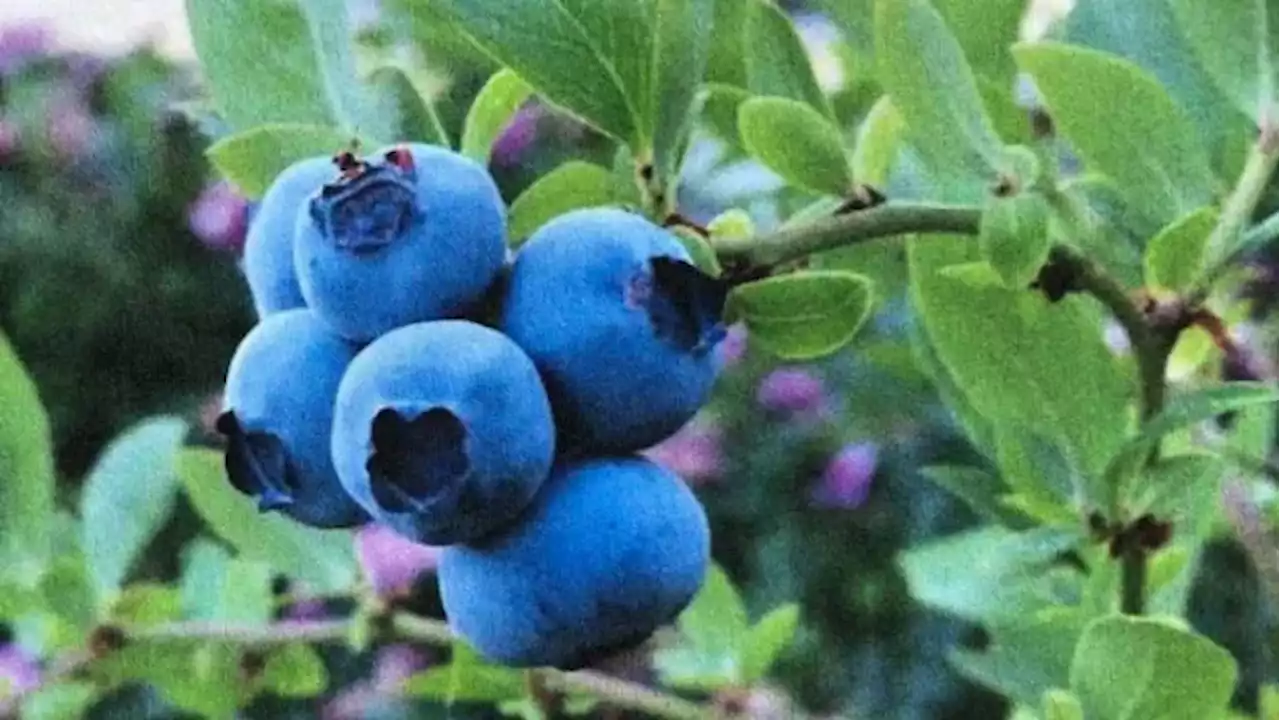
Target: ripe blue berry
pixel 610 550
pixel 416 233
pixel 621 325
pixel 268 248
pixel 442 431
pixel 278 414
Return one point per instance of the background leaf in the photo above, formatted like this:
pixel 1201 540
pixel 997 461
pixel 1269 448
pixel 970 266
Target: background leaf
pixel 26 468
pixel 1145 144
pixel 1126 668
pixel 573 185
pixel 776 62
pixel 294 671
pixel 128 495
pixel 805 314
pixel 766 640
pixel 413 116
pixel 325 559
pixel 260 63
pixel 1235 41
pixel 924 70
pixel 682 45
pixel 1015 237
pixel 251 160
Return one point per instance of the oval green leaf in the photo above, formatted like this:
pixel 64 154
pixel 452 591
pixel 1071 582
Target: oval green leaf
pixel 1015 237
pixel 797 142
pixel 1145 143
pixel 1235 41
pixel 776 61
pixel 1126 668
pixel 325 559
pixel 571 186
pixel 26 468
pixel 251 160
pixel 1174 259
pixel 128 495
pixel 490 112
pixel 803 315
pixel 413 116
pixel 922 67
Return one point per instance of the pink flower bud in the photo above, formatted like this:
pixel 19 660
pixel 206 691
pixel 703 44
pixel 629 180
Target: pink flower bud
pixel 390 562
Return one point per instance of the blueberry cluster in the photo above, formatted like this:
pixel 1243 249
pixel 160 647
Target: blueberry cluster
pixel 406 371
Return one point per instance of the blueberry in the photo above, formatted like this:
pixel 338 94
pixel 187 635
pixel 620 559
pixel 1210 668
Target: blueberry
pixel 277 416
pixel 611 549
pixel 442 431
pixel 268 249
pixel 620 323
pixel 415 233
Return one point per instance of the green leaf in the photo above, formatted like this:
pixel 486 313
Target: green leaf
pixel 127 497
pixel 1026 657
pixel 26 469
pixel 571 186
pixel 325 559
pixel 776 61
pixel 924 70
pixel 146 604
pixel 1062 705
pixel 1174 259
pixel 1020 360
pixel 204 569
pixel 294 671
pixel 1268 703
pixel 715 631
pixel 700 251
pixel 985 30
pixel 978 489
pixel 880 137
pixel 682 47
pixel 413 116
pixel 797 142
pixel 725 64
pixel 1183 411
pixel 259 61
pixel 1145 144
pixel 244 594
pixel 467 678
pixel 990 574
pixel 1126 668
pixel 720 104
pixel 1236 43
pixel 803 315
pixel 766 640
pixel 491 112
pixel 1147 33
pixel 68 592
pixel 1015 237
pixel 59 701
pixel 630 69
pixel 251 160
pixel 197 676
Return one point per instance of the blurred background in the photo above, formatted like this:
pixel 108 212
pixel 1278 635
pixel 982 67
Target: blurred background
pixel 119 289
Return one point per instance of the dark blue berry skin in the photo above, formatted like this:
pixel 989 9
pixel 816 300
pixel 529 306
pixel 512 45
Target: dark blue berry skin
pixel 411 234
pixel 442 431
pixel 611 549
pixel 278 414
pixel 268 247
pixel 621 325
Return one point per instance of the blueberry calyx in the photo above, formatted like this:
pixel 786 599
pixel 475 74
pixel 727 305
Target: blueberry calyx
pixel 416 459
pixel 367 209
pixel 685 305
pixel 257 464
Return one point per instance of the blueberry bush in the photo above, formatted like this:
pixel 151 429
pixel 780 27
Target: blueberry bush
pixel 645 358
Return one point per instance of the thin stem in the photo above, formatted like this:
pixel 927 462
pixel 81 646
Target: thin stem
pixel 791 243
pixel 611 690
pixel 1223 243
pixel 1133 579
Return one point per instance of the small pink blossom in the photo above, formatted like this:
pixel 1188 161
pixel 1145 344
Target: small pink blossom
pixel 846 481
pixel 19 672
pixel 219 218
pixel 792 390
pixel 10 138
pixel 695 452
pixel 71 130
pixel 518 136
pixel 20 44
pixel 734 346
pixel 391 562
